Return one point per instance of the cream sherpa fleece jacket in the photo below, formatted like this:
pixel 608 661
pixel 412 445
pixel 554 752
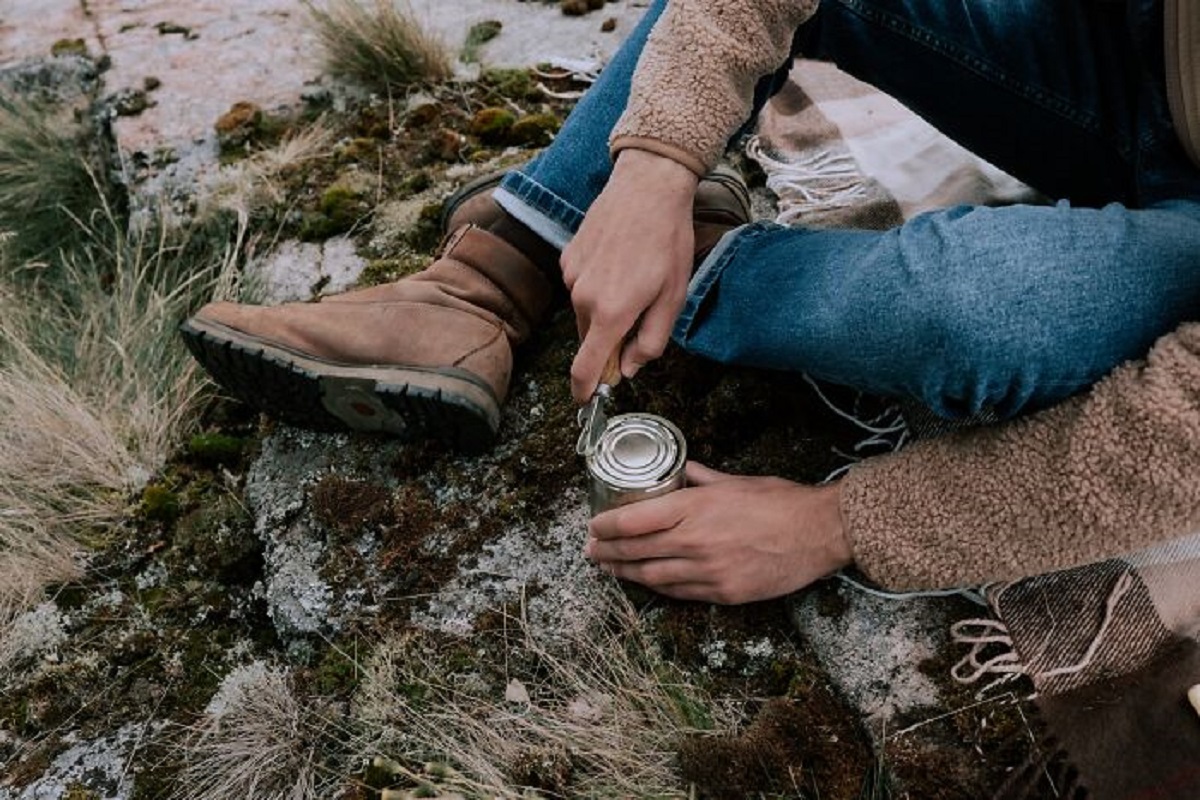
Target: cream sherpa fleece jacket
pixel 1102 474
pixel 694 83
pixel 1105 473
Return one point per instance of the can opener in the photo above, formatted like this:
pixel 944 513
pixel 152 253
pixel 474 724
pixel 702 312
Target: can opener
pixel 593 417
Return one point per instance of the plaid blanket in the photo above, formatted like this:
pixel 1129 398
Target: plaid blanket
pixel 1111 648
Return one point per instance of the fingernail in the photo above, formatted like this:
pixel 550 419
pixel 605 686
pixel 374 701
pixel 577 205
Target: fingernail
pixel 587 548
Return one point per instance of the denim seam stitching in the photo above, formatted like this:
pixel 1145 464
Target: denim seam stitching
pixel 698 293
pixel 543 200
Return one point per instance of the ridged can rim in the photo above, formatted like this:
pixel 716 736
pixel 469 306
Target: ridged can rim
pixel 638 451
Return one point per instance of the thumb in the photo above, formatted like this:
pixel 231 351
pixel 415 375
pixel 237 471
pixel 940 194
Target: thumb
pixel 700 475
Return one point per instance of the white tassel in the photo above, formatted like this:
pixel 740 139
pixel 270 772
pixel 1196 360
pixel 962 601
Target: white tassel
pixel 981 634
pixel 810 183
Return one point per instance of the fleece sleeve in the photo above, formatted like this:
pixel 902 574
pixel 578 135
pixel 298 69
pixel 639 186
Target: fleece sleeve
pixel 694 83
pixel 1103 474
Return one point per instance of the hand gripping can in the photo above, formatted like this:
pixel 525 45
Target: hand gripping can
pixel 639 456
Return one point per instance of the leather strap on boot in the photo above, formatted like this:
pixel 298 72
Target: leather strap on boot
pixel 519 292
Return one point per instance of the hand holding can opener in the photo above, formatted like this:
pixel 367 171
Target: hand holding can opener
pixel 593 417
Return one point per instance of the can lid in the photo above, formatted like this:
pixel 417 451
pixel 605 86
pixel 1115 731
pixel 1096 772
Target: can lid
pixel 637 451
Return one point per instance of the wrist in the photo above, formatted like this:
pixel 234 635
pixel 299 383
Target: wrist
pixel 832 524
pixel 656 170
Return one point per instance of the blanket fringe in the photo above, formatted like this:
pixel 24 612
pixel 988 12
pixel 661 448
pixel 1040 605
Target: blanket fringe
pixel 817 181
pixel 980 635
pixel 1122 586
pixel 886 431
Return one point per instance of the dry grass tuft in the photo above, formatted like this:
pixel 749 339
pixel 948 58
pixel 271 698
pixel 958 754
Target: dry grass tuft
pixel 378 44
pixel 95 392
pixel 263 742
pixel 604 718
pixel 256 182
pixel 95 387
pixel 30 559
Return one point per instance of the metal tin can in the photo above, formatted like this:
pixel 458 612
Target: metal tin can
pixel 639 456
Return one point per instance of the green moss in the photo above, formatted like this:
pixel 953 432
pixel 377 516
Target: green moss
pixel 386 270
pixel 316 227
pixel 343 206
pixel 337 673
pixel 479 34
pixel 216 448
pixel 511 84
pixel 426 234
pixel 69 47
pixel 159 503
pixel 338 211
pixel 492 124
pixel 535 130
pixel 360 148
pixel 415 183
pixel 217 541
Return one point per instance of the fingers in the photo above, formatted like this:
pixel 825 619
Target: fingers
pixel 640 519
pixel 653 333
pixel 699 592
pixel 699 475
pixel 599 341
pixel 635 548
pixel 655 573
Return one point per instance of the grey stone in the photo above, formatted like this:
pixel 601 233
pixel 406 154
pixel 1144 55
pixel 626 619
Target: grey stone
pixel 549 559
pixel 299 271
pixel 872 647
pixel 35 634
pixel 98 764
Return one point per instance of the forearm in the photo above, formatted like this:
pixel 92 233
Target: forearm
pixel 695 80
pixel 1103 474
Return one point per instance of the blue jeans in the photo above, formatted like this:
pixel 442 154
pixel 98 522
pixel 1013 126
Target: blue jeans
pixel 965 308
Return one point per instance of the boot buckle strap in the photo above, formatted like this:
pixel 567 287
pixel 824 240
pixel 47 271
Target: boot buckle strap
pixel 451 239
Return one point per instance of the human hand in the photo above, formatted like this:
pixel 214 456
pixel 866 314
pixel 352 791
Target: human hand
pixel 629 265
pixel 725 539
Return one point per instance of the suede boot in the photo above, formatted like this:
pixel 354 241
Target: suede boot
pixel 427 355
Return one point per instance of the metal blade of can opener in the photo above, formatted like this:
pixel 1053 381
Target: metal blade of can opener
pixel 593 417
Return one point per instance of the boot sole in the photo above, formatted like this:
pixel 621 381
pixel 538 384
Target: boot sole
pixel 408 402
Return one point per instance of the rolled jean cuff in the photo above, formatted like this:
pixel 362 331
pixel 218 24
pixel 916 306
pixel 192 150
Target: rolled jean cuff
pixel 538 208
pixel 707 275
